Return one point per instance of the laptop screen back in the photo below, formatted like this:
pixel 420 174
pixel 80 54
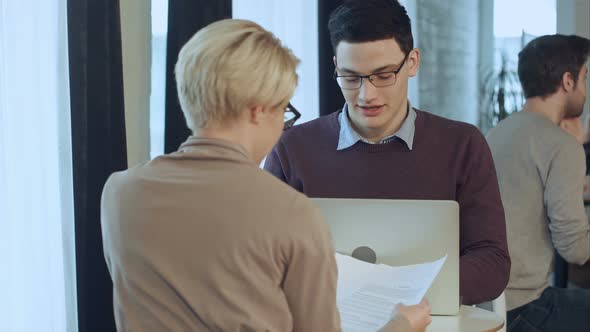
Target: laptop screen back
pixel 401 232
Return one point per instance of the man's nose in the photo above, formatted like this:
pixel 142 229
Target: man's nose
pixel 367 91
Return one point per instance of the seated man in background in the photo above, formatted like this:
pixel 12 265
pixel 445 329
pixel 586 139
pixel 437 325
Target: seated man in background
pixel 202 239
pixel 378 146
pixel 541 172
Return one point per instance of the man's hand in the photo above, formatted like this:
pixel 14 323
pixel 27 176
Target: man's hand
pixel 418 315
pixel 574 127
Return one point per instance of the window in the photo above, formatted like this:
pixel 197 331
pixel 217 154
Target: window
pixel 512 31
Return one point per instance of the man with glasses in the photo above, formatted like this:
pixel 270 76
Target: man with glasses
pixel 378 146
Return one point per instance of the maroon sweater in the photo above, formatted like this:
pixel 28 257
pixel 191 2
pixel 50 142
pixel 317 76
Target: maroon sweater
pixel 450 160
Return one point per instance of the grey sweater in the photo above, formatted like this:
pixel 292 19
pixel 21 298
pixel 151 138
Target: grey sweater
pixel 541 174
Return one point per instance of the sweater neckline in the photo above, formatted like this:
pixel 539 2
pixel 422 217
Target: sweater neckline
pixel 393 145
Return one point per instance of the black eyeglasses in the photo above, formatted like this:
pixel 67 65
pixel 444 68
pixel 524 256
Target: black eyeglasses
pixel 291 115
pixel 381 79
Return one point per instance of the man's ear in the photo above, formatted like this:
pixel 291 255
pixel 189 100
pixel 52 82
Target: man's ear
pixel 568 81
pixel 334 60
pixel 413 62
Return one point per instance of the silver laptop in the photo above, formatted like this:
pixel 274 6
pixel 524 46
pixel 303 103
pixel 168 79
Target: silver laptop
pixel 401 232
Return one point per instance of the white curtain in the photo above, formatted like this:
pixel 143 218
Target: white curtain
pixel 37 278
pixel 295 23
pixel 158 76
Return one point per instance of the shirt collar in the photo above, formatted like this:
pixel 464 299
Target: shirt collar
pixel 348 136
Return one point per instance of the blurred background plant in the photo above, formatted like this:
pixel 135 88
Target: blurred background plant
pixel 501 94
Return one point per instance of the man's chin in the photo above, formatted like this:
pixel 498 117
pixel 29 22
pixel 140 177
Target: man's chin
pixel 574 113
pixel 369 122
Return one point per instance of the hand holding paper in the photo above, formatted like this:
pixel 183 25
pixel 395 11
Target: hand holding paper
pixel 367 293
pixel 417 315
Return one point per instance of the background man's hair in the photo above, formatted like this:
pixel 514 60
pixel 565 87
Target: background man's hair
pixel 358 21
pixel 544 60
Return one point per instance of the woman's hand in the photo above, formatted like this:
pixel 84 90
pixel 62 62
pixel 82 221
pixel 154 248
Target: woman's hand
pixel 418 315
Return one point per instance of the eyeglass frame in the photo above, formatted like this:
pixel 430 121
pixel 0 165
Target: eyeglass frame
pixel 289 123
pixel 368 77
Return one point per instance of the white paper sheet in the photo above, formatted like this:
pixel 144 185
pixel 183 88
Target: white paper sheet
pixel 368 293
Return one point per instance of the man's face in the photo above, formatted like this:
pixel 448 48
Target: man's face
pixel 376 111
pixel 576 100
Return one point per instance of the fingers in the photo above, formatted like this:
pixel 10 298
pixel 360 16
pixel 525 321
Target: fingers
pixel 425 306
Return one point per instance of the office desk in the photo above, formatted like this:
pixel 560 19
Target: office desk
pixel 469 319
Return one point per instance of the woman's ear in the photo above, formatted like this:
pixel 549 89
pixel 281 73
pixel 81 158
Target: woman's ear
pixel 255 114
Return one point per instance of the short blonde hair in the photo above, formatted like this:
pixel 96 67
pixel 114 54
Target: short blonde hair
pixel 230 65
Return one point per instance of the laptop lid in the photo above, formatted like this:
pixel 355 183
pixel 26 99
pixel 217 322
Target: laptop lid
pixel 401 232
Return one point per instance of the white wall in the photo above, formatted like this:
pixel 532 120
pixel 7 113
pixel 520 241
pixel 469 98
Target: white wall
pixel 573 17
pixel 136 47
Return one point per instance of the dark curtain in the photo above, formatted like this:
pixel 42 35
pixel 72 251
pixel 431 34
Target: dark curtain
pixel 331 99
pixel 98 145
pixel 185 17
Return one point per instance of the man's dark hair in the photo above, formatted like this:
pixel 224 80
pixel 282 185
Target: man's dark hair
pixel 543 61
pixel 359 21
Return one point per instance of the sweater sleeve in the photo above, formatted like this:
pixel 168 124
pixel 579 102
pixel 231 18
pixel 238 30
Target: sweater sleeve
pixel 311 274
pixel 484 262
pixel 568 223
pixel 273 165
